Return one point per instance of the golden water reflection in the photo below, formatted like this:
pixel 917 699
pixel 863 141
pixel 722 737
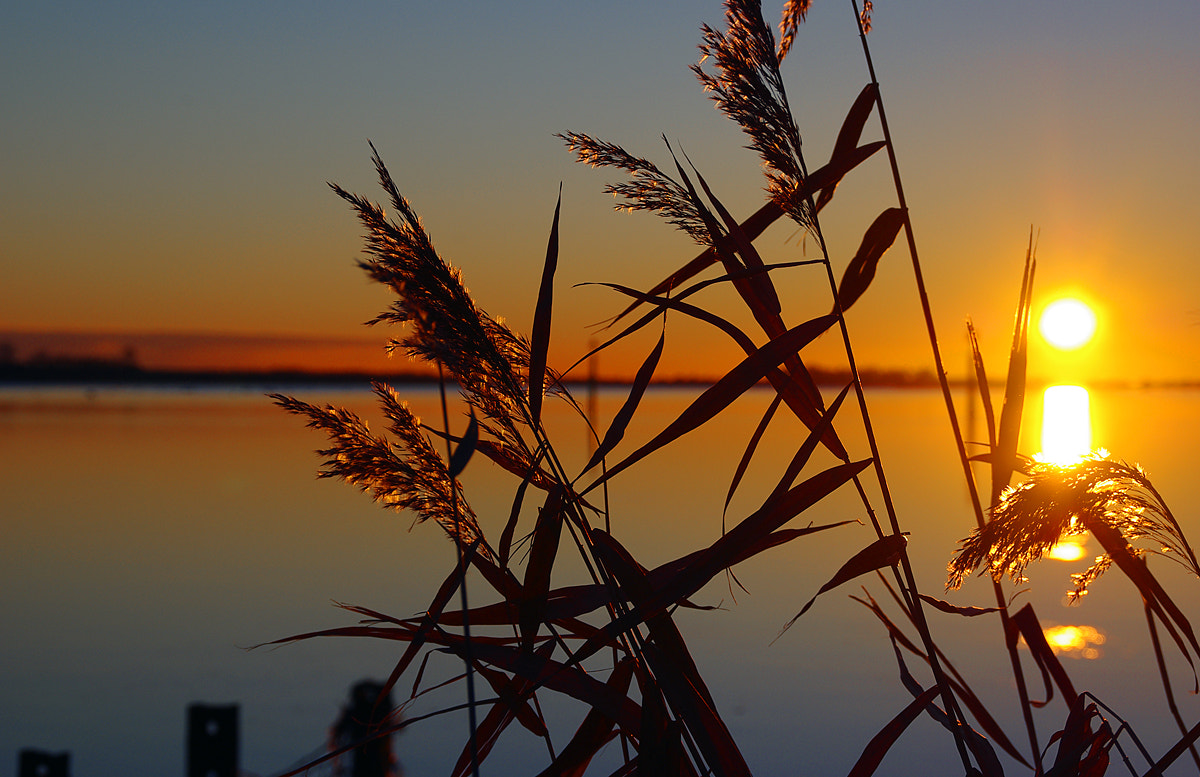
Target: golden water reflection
pixel 1075 641
pixel 1068 550
pixel 1066 425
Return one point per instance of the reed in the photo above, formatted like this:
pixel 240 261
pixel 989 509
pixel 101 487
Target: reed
pixel 541 632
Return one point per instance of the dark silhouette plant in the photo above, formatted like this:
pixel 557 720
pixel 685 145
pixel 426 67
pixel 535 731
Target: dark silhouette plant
pixel 541 632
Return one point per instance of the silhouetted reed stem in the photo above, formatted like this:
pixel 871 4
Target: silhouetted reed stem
pixel 943 382
pixel 462 587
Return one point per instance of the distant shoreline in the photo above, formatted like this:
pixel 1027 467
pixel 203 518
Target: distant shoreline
pixel 88 372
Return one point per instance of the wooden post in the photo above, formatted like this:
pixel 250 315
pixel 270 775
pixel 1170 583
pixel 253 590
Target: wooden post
pixel 38 763
pixel 212 740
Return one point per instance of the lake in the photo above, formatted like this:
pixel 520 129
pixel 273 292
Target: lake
pixel 151 536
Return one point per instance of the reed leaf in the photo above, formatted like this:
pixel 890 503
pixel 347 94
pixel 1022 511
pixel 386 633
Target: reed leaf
pixel 951 609
pixel 721 394
pixel 826 177
pixel 620 422
pixel 539 341
pixel 593 733
pixel 540 671
pixel 981 381
pixel 748 454
pixel 872 756
pixel 541 562
pixel 1026 623
pixel 883 552
pixel 848 136
pixel 465 448
pixel 1014 388
pixel 861 270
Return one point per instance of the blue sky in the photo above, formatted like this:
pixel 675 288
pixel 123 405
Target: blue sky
pixel 165 163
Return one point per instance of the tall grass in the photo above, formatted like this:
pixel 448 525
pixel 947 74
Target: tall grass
pixel 540 632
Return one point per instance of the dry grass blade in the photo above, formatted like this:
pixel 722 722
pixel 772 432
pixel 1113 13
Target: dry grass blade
pixel 546 537
pixel 879 745
pixel 1027 624
pixel 981 382
pixel 950 609
pixel 731 386
pixel 861 270
pixel 620 422
pixel 593 733
pixel 464 448
pixel 676 673
pixel 512 704
pixel 539 341
pixel 962 691
pixel 764 291
pixel 1014 388
pixel 546 672
pixel 848 136
pixel 748 454
pixel 883 552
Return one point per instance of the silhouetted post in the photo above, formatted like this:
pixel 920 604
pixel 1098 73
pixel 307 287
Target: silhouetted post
pixel 212 740
pixel 38 763
pixel 361 720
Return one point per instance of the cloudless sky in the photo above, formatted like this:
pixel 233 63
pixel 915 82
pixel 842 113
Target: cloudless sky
pixel 164 165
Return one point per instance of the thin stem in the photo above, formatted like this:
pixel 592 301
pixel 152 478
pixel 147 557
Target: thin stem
pixel 462 589
pixel 943 381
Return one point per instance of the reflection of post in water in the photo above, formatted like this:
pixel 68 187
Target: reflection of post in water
pixel 1066 425
pixel 369 710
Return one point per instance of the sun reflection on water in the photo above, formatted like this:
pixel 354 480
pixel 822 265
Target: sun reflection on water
pixel 1067 550
pixel 1075 641
pixel 1066 425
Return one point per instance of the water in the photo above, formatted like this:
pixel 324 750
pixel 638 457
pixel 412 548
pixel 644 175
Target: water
pixel 152 536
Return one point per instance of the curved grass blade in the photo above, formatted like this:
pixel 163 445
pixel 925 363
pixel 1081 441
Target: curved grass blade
pixel 765 294
pixel 883 552
pixel 822 178
pixel 593 733
pixel 539 338
pixel 946 607
pixel 719 396
pixel 616 430
pixel 1026 623
pixel 861 270
pixel 465 447
pixel 877 748
pixel 675 671
pixel 748 454
pixel 849 134
pixel 1014 388
pixel 541 561
pixel 569 679
pixel 731 548
pixel 985 392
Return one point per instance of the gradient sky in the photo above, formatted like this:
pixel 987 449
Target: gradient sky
pixel 165 165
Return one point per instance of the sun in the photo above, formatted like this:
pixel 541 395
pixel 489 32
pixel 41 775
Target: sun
pixel 1067 323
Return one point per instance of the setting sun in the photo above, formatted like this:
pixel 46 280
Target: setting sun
pixel 1067 323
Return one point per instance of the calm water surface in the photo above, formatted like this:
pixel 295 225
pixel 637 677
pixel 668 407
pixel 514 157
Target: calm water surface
pixel 150 537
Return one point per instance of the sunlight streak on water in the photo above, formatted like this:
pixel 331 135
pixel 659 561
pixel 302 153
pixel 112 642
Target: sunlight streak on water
pixel 1067 550
pixel 1075 641
pixel 1066 424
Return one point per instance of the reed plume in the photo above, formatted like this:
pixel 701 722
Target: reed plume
pixel 1057 502
pixel 404 475
pixel 749 89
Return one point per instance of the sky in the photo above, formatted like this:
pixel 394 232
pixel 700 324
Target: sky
pixel 165 169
